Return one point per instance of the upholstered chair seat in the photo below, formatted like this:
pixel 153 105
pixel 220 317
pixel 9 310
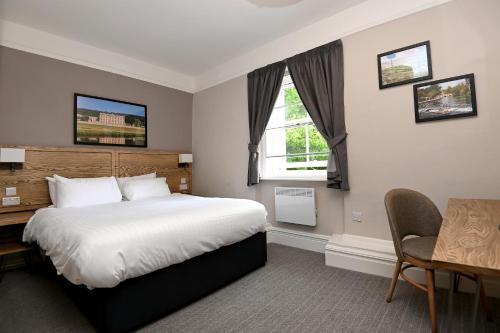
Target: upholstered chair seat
pixel 419 247
pixel 414 221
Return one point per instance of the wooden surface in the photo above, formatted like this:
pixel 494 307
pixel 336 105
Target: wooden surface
pixel 10 248
pixel 469 238
pixel 133 163
pixel 15 218
pixel 77 162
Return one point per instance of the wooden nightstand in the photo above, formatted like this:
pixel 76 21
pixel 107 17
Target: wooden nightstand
pixel 11 226
pixel 13 218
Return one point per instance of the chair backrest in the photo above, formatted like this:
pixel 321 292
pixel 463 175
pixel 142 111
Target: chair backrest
pixel 410 213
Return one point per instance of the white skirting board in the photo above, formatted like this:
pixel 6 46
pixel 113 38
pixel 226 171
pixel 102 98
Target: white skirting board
pixel 377 257
pixel 299 239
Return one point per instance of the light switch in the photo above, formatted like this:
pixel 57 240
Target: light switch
pixel 183 180
pixel 11 201
pixel 10 191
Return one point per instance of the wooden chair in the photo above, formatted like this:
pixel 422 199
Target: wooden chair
pixel 411 213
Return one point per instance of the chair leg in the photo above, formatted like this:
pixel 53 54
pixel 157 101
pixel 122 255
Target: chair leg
pixel 432 299
pixel 394 281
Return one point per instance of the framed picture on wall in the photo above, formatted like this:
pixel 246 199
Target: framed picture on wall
pixel 405 65
pixel 453 97
pixel 109 122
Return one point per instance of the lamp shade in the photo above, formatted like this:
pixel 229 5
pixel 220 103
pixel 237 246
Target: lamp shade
pixel 12 155
pixel 185 158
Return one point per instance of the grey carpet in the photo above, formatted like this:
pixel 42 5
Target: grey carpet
pixel 294 292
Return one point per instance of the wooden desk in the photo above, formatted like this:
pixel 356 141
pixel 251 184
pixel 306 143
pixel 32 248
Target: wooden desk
pixel 469 238
pixel 469 242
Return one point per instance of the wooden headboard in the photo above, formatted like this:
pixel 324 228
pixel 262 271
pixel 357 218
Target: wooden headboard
pixel 77 162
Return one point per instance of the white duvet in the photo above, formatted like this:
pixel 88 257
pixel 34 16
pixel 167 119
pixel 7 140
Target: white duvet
pixel 100 246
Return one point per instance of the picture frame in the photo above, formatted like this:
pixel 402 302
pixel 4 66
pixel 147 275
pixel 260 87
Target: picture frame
pixel 405 65
pixel 453 97
pixel 109 122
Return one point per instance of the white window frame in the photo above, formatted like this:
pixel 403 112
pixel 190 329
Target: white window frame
pixel 266 173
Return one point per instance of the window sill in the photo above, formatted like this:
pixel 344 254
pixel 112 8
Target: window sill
pixel 299 179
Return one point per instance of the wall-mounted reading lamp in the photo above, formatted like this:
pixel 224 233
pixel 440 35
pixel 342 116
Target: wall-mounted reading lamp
pixel 12 156
pixel 185 160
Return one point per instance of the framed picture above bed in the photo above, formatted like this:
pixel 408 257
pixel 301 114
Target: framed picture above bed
pixel 454 97
pixel 405 65
pixel 109 122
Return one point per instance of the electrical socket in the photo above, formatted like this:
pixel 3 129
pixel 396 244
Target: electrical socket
pixel 9 191
pixel 183 187
pixel 357 216
pixel 11 201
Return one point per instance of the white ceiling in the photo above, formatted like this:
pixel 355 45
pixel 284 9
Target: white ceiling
pixel 189 45
pixel 186 36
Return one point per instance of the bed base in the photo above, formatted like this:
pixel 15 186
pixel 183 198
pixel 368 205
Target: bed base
pixel 139 301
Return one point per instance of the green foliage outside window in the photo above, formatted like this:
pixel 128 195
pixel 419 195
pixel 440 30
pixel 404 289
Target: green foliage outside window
pixel 317 144
pixel 296 143
pixel 294 107
pixel 296 136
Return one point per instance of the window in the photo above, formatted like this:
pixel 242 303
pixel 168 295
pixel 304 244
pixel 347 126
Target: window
pixel 291 146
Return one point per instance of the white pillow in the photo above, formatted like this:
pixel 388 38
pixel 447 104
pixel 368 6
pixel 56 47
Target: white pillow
pixel 81 192
pixel 52 185
pixel 145 188
pixel 123 180
pixel 52 189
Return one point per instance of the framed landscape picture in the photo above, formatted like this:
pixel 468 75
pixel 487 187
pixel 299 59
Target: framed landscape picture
pixel 109 122
pixel 453 97
pixel 405 65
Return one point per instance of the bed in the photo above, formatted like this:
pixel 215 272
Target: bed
pixel 128 263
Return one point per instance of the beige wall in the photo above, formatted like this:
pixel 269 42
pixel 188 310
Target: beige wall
pixel 220 139
pixel 387 149
pixel 36 101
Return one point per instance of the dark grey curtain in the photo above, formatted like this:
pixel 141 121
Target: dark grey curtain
pixel 318 75
pixel 263 89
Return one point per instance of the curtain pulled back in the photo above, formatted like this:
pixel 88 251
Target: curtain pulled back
pixel 318 75
pixel 263 89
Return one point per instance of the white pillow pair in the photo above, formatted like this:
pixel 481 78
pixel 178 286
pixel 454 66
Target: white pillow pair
pixel 119 180
pixel 78 192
